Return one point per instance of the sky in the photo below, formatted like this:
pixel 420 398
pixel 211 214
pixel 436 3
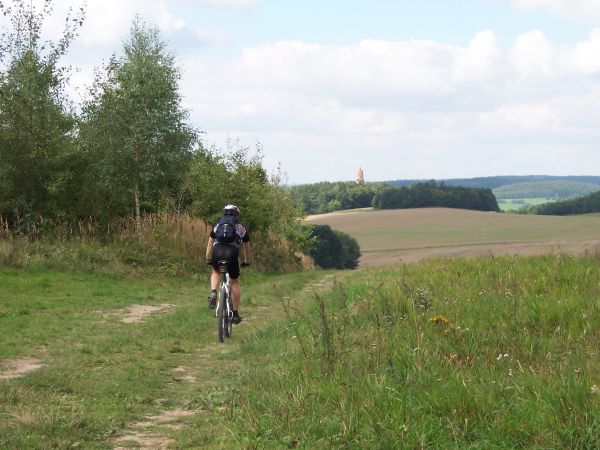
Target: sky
pixel 406 89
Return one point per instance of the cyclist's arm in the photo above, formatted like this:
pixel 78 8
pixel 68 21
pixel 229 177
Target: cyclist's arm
pixel 247 252
pixel 209 248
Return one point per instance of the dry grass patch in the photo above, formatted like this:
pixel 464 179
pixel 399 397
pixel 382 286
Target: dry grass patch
pixel 138 313
pixel 19 367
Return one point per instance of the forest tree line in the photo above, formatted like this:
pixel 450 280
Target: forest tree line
pixel 326 197
pixel 435 194
pixel 582 205
pixel 554 189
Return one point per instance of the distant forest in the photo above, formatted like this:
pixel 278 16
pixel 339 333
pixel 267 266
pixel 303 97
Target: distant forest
pixel 432 194
pixel 496 182
pixel 326 197
pixel 582 205
pixel 553 189
pixel 320 198
pixel 468 193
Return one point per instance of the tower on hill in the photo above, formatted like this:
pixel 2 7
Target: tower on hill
pixel 360 176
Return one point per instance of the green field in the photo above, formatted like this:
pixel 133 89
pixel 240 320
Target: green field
pixel 489 352
pixel 409 234
pixel 484 353
pixel 480 354
pixel 514 204
pixel 100 376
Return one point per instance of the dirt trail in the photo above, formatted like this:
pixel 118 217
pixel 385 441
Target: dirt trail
pixel 138 313
pixel 156 431
pixel 19 367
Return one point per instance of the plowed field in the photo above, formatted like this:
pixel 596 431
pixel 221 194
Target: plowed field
pixel 408 235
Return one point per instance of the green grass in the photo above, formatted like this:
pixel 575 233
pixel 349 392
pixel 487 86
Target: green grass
pixel 101 374
pixel 484 353
pixel 518 203
pixel 491 353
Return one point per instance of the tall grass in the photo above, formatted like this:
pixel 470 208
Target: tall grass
pixel 163 244
pixel 489 353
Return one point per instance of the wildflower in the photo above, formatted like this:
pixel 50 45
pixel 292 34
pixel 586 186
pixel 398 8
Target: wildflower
pixel 440 320
pixel 595 389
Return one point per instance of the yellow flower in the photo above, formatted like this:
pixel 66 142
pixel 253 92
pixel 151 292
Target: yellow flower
pixel 440 320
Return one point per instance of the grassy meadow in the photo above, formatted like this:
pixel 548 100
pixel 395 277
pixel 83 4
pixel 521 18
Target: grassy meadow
pixel 479 353
pixel 486 353
pixel 101 375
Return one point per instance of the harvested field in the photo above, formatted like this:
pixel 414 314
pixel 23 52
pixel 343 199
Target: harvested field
pixel 408 235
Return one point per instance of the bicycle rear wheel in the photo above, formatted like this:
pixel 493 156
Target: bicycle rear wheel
pixel 222 315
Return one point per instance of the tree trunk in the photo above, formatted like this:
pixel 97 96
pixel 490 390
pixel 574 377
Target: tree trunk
pixel 136 194
pixel 138 217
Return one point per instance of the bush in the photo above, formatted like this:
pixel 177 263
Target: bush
pixel 334 249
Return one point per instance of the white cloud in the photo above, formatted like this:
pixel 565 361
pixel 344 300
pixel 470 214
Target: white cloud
pixel 584 9
pixel 411 108
pixel 380 101
pixel 242 4
pixel 533 55
pixel 584 58
pixel 479 60
pixel 521 117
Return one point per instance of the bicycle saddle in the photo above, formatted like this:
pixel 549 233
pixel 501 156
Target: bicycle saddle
pixel 223 265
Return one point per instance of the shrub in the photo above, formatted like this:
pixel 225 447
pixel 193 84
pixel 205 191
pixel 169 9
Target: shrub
pixel 334 249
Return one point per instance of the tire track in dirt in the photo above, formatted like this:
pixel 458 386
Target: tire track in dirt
pixel 156 431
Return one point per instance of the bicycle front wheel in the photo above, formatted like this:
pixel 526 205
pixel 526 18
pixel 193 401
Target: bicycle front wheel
pixel 228 319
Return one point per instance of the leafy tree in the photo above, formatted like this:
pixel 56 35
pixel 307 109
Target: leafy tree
pixel 350 250
pixel 333 249
pixel 238 177
pixel 38 160
pixel 134 129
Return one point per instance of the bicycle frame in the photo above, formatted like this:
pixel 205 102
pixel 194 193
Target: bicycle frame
pixel 224 309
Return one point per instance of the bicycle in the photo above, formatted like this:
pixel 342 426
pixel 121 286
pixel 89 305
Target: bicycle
pixel 224 308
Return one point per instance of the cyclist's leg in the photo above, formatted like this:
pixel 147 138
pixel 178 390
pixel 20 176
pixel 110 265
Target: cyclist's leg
pixel 215 279
pixel 234 284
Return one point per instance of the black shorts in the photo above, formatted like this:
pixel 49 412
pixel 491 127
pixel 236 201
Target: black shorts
pixel 229 253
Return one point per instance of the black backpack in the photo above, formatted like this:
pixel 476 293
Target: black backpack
pixel 225 232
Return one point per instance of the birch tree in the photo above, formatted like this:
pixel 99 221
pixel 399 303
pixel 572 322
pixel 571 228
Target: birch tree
pixel 135 130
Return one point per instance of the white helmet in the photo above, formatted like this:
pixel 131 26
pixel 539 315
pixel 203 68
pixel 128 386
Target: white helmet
pixel 231 210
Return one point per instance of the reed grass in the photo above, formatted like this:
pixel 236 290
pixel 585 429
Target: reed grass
pixel 163 244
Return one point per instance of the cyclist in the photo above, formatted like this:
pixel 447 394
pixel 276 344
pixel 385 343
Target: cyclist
pixel 218 251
